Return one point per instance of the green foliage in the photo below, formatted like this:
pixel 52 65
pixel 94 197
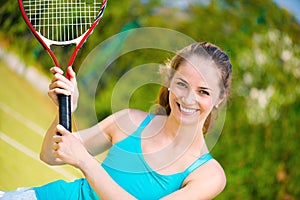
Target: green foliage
pixel 259 145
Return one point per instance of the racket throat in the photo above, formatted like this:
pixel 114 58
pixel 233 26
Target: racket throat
pixel 63 53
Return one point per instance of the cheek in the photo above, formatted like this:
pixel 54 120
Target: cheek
pixel 206 104
pixel 177 93
pixel 172 98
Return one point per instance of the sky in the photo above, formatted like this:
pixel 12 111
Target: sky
pixel 291 5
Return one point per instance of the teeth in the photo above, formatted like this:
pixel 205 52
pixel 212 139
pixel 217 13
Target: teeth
pixel 187 110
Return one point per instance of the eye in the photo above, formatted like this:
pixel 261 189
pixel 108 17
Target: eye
pixel 181 84
pixel 204 92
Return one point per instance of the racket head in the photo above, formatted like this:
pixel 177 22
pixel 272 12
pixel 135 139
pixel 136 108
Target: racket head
pixel 62 22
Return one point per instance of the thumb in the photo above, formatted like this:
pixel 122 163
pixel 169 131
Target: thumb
pixel 61 130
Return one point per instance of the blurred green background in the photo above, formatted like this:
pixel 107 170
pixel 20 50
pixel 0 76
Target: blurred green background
pixel 259 144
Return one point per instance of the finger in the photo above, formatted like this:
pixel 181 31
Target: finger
pixel 64 80
pixel 60 84
pixel 57 139
pixel 56 91
pixel 58 155
pixel 60 77
pixel 55 146
pixel 55 70
pixel 60 129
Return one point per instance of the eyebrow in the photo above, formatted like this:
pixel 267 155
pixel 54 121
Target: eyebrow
pixel 202 88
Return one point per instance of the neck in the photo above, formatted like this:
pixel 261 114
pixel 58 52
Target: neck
pixel 175 127
pixel 184 134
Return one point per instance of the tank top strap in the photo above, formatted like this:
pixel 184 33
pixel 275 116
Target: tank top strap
pixel 144 123
pixel 200 161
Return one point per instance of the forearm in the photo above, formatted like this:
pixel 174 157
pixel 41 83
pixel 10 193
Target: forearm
pixel 101 182
pixel 60 84
pixel 46 153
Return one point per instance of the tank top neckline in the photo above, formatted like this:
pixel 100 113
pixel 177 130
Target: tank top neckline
pixel 193 166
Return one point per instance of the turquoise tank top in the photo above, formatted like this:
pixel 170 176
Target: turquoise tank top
pixel 125 163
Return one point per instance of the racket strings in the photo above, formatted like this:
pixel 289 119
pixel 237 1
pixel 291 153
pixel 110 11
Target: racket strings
pixel 62 20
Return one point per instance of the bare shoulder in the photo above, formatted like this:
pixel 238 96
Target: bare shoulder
pixel 123 123
pixel 129 117
pixel 208 180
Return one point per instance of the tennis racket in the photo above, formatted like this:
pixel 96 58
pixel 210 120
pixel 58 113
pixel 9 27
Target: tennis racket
pixel 62 23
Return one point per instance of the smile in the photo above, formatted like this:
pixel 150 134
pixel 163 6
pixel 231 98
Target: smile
pixel 187 110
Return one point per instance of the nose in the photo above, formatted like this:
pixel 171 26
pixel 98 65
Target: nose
pixel 189 98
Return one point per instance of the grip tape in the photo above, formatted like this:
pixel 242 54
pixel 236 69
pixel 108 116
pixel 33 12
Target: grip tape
pixel 65 114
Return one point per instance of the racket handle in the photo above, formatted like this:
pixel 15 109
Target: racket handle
pixel 65 114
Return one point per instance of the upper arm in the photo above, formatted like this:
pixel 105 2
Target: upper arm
pixel 206 182
pixel 112 129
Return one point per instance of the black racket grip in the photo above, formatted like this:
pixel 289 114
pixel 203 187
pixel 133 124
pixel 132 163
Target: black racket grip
pixel 65 114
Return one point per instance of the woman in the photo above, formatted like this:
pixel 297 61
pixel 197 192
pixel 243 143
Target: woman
pixel 151 156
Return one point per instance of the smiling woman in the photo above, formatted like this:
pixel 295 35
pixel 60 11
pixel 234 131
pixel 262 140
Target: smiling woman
pixel 151 156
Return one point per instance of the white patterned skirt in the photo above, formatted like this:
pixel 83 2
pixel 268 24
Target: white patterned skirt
pixel 19 194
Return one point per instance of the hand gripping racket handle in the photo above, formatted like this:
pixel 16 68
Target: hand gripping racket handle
pixel 65 114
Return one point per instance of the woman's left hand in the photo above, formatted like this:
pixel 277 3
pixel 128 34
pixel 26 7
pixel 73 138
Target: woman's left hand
pixel 68 148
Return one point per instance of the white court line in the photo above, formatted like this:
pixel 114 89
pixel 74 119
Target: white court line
pixel 34 155
pixel 30 124
pixel 37 129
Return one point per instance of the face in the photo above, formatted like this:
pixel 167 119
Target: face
pixel 194 91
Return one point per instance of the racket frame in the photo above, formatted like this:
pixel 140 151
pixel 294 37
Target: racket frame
pixel 65 113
